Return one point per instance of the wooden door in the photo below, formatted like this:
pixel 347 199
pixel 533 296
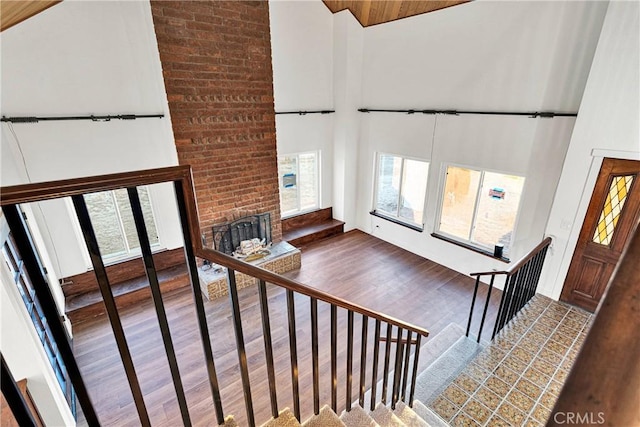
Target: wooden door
pixel 611 217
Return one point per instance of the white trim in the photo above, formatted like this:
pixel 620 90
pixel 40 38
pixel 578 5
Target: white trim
pixel 374 200
pixel 298 210
pixel 615 154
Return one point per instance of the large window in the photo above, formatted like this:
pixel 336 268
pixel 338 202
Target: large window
pixel 113 222
pixel 299 182
pixel 480 207
pixel 36 313
pixel 401 185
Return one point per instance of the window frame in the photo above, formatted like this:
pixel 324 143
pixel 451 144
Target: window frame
pixel 33 310
pixel 299 211
pixel 130 253
pixel 387 215
pixel 469 243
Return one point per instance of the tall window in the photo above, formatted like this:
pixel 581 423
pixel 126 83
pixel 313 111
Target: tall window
pixel 113 222
pixel 480 207
pixel 401 186
pixel 299 182
pixel 34 309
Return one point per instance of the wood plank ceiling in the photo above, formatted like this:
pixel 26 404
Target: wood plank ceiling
pixel 14 12
pixel 372 12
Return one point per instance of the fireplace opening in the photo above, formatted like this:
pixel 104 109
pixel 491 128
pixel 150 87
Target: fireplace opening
pixel 227 238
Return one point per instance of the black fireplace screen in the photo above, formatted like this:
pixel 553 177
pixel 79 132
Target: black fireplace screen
pixel 227 237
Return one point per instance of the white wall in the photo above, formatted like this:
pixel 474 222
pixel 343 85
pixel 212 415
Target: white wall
pixel 518 55
pixel 28 360
pixel 484 55
pixel 491 56
pixel 302 58
pixel 607 126
pixel 348 45
pixel 83 58
pixel 517 145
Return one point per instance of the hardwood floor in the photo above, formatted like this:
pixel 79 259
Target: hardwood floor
pixel 354 266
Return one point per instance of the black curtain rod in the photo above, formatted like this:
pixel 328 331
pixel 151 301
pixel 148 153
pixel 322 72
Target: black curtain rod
pixel 303 113
pixel 92 118
pixel 533 114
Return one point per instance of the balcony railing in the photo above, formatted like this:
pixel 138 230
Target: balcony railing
pixel 520 285
pixel 393 340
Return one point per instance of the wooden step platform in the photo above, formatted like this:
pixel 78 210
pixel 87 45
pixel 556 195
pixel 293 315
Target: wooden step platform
pixel 89 305
pixel 303 229
pixel 129 284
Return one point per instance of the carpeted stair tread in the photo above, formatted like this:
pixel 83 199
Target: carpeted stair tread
pixel 326 418
pixel 428 415
pixel 439 374
pixel 230 421
pixel 408 416
pixel 285 419
pixel 357 417
pixel 383 416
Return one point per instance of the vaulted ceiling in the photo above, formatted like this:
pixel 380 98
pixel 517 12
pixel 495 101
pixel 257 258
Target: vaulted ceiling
pixel 14 12
pixel 367 12
pixel 372 12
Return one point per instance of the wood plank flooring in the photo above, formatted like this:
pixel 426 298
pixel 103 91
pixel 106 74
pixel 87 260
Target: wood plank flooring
pixel 354 266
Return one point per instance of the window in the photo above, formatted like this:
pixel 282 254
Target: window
pixel 299 189
pixel 113 222
pixel 480 207
pixel 34 309
pixel 401 186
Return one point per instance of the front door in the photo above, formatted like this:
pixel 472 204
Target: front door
pixel 612 214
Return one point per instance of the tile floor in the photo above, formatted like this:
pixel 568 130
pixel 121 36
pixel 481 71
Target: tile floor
pixel 516 380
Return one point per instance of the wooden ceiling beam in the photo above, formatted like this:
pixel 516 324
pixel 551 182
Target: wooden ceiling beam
pixel 14 12
pixel 373 12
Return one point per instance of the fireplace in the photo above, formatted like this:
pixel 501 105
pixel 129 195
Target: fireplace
pixel 280 258
pixel 227 237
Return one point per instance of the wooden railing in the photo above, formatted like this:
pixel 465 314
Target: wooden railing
pixel 521 282
pixel 400 339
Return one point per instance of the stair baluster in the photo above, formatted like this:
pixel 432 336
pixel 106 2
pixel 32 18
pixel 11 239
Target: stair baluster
pixel 268 346
pixel 293 352
pixel 363 359
pixel 349 358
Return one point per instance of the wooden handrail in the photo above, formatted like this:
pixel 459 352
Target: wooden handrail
pixel 603 386
pixel 276 279
pixel 35 192
pixel 522 261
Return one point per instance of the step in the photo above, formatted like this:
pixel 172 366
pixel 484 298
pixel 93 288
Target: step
pixel 357 417
pixel 428 415
pixel 312 233
pixel 445 368
pixel 326 418
pixel 89 304
pixel 286 418
pixel 385 417
pixel 303 229
pixel 408 416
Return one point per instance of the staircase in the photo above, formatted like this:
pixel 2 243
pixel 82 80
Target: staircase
pixel 382 416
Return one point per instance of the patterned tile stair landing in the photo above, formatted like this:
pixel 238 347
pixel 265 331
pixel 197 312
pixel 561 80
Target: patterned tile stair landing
pixel 516 380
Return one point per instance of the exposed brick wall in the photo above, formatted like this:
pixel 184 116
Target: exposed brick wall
pixel 216 61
